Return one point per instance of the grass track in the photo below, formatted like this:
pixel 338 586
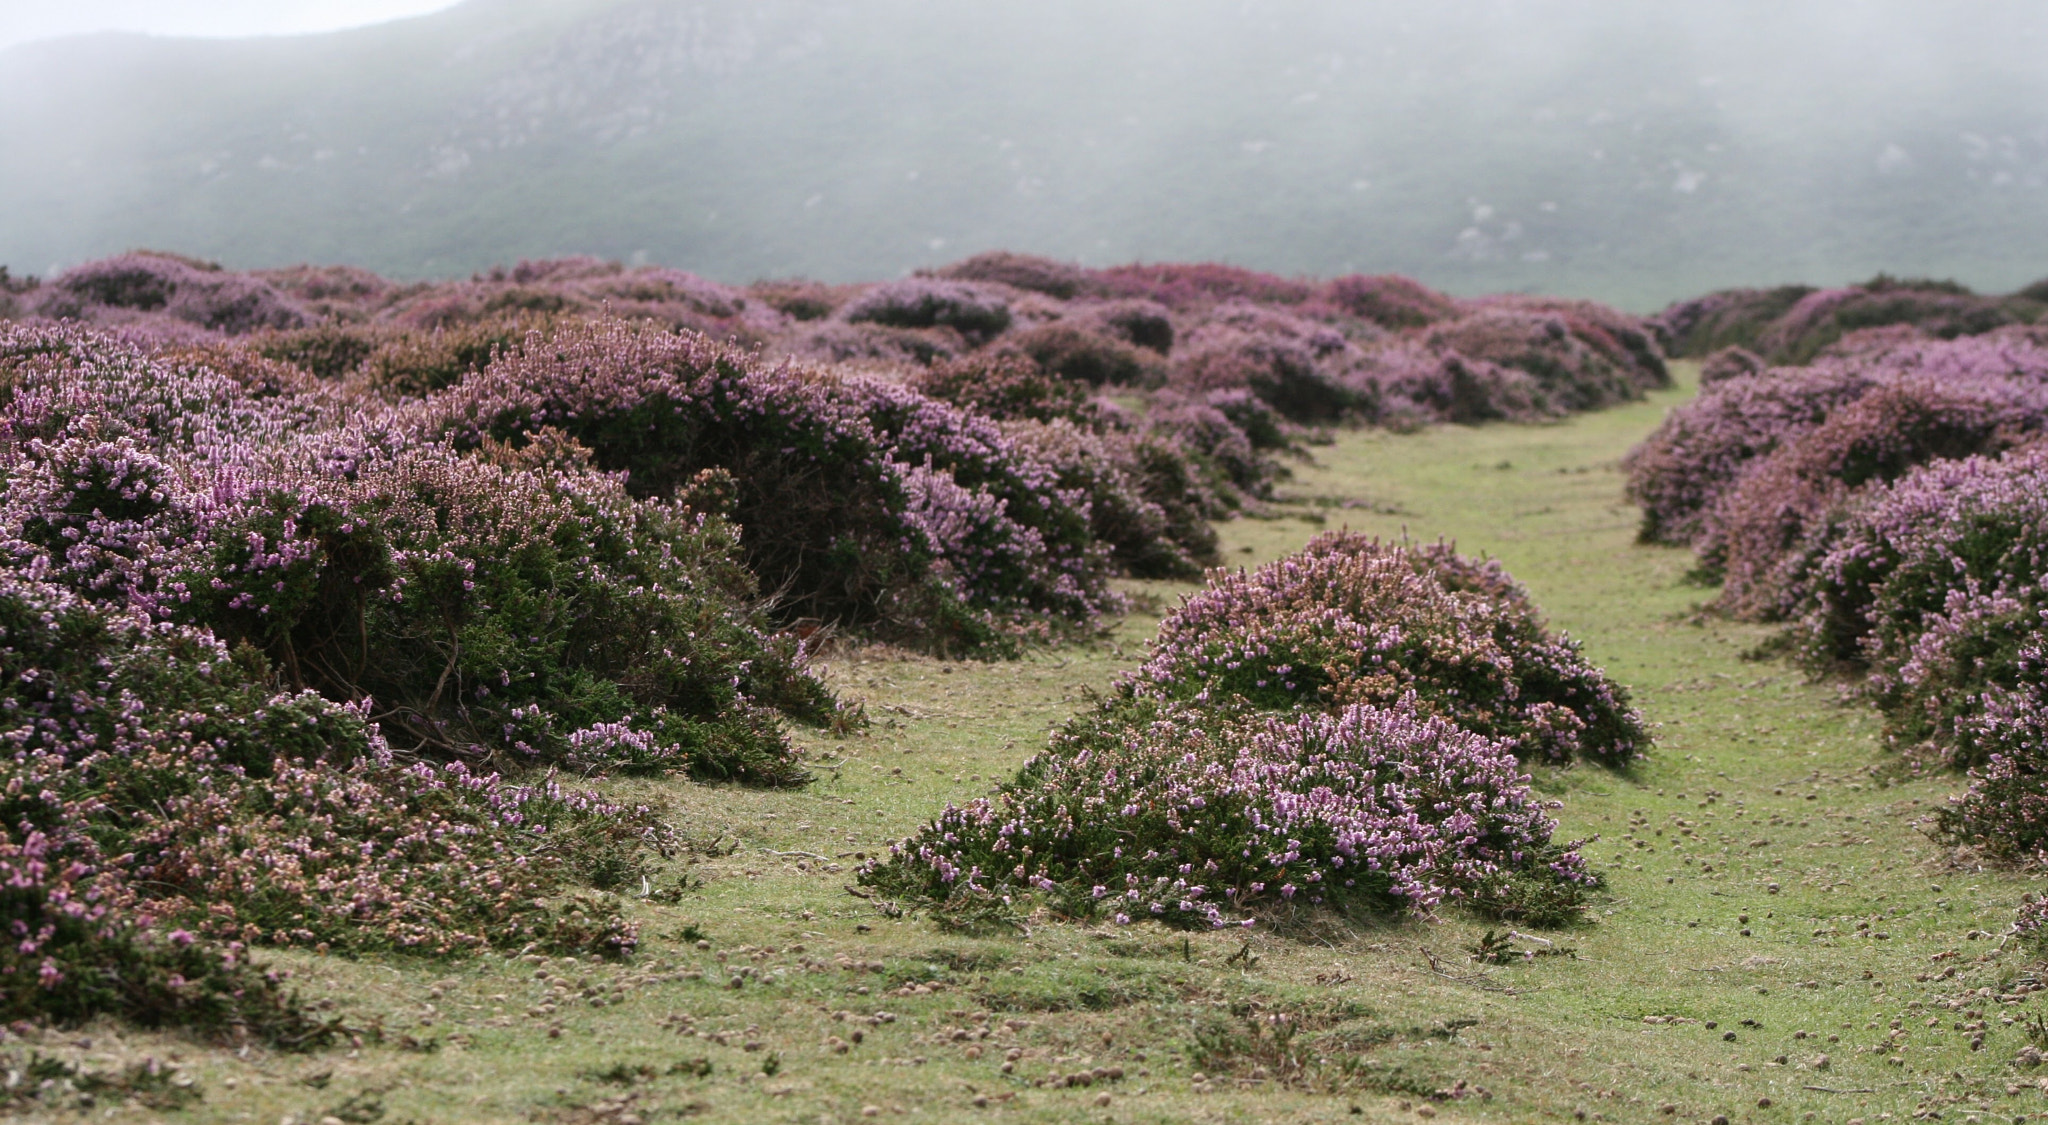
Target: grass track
pixel 1797 841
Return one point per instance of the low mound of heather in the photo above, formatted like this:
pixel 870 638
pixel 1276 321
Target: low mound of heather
pixel 1201 819
pixel 1352 620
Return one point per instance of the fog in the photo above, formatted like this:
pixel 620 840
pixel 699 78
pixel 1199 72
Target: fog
pixel 1619 150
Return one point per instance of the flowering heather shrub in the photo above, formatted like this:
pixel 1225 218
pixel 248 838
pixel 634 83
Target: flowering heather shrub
pixel 330 292
pixel 1406 383
pixel 1577 362
pixel 1147 324
pixel 490 603
pixel 874 345
pixel 1284 372
pixel 1677 473
pixel 1729 317
pixel 1031 552
pixel 1683 470
pixel 163 806
pixel 1182 287
pixel 1388 300
pixel 974 311
pixel 1754 533
pixel 1352 620
pixel 860 503
pixel 1229 464
pixel 1936 583
pixel 416 362
pixel 1146 502
pixel 1022 271
pixel 1944 310
pixel 1004 386
pixel 2005 811
pixel 534 616
pixel 1095 358
pixel 325 351
pixel 1731 362
pixel 796 299
pixel 1794 324
pixel 111 290
pixel 1151 810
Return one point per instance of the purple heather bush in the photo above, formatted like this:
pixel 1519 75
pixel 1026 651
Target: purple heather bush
pixel 1679 472
pixel 1935 585
pixel 1731 362
pixel 862 504
pixel 975 311
pixel 1762 534
pixel 1147 324
pixel 488 605
pixel 1794 324
pixel 1727 318
pixel 166 806
pixel 1406 383
pixel 1226 462
pixel 1200 818
pixel 1022 271
pixel 1579 361
pixel 1192 286
pixel 1387 300
pixel 1352 620
pixel 2005 812
pixel 114 290
pixel 1940 309
pixel 1092 357
pixel 1292 373
pixel 875 346
pixel 1147 502
pixel 1005 387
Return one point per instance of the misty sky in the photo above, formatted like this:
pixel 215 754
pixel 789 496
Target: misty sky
pixel 25 20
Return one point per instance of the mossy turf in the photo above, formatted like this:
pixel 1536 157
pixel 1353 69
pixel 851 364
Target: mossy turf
pixel 1772 898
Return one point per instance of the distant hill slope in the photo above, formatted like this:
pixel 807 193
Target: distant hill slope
pixel 1591 148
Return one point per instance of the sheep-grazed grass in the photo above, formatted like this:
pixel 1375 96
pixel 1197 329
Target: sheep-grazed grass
pixel 1768 879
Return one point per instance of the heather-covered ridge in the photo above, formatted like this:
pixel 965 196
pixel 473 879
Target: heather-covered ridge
pixel 1885 504
pixel 1372 349
pixel 1793 324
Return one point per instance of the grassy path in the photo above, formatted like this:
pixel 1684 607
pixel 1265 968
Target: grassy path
pixel 1772 901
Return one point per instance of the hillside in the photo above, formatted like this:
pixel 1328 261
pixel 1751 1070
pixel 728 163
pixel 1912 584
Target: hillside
pixel 1568 148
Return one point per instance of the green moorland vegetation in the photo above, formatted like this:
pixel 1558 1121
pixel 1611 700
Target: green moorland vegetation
pixel 1776 941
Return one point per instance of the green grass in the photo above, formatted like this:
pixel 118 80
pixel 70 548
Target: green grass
pixel 1784 787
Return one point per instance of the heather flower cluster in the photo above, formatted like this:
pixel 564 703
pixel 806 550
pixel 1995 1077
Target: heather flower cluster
pixel 1352 620
pixel 1343 728
pixel 1935 586
pixel 1183 815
